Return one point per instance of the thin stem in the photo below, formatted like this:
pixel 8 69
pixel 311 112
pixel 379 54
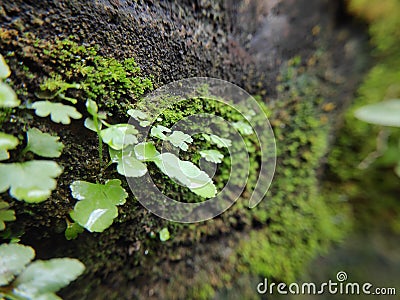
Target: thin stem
pixel 96 124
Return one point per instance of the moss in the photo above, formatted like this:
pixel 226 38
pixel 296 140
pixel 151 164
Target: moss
pixel 116 83
pixel 294 223
pixel 202 292
pixel 302 222
pixel 73 70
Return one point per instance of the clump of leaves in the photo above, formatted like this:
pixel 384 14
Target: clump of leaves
pixel 30 181
pixel 177 138
pixel 25 280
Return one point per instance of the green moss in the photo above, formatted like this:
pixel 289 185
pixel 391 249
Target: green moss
pixel 302 222
pixel 116 83
pixel 202 292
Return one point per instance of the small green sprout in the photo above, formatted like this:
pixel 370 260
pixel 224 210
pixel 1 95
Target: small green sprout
pixel 164 234
pixel 73 230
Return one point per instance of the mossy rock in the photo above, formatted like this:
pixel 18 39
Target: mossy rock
pixel 145 44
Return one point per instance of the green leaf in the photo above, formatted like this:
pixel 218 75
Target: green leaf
pixel 43 144
pixel 31 181
pixel 13 259
pixel 111 191
pixel 146 151
pixel 4 69
pixel 59 113
pixel 164 234
pixel 7 142
pixel 119 136
pixel 42 278
pixel 139 116
pixel 92 107
pixel 129 166
pixel 8 98
pixel 243 127
pixel 89 124
pixel 206 191
pixel 6 215
pixel 97 209
pixel 72 231
pixel 212 156
pixel 94 215
pixel 180 139
pixel 158 132
pixel 115 155
pixel 187 174
pixel 386 113
pixel 218 141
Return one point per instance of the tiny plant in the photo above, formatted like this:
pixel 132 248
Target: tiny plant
pixel 96 208
pixel 22 279
pixel 164 234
